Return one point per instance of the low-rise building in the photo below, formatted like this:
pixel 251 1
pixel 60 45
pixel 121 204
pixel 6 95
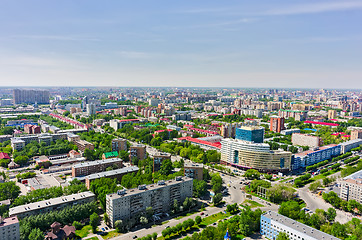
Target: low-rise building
pixel 290 131
pixel 87 168
pixel 129 204
pixel 272 223
pixel 73 137
pixel 17 144
pixel 351 187
pixel 52 204
pixel 9 228
pixel 118 173
pixel 194 170
pixel 108 155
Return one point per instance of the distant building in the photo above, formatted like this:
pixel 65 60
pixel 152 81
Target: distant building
pixel 86 168
pixel 50 205
pixel 57 232
pixel 173 127
pixel 349 145
pixel 250 133
pixel 194 170
pixel 4 155
pixel 137 151
pixel 91 109
pixel 356 134
pixel 351 187
pixel 272 223
pixel 297 115
pixel 332 114
pixel 17 144
pixel 306 140
pixel 31 129
pixel 9 228
pixel 71 137
pixel 30 96
pixel 181 116
pixel 118 124
pixel 128 204
pixel 119 144
pixel 276 124
pixel 290 131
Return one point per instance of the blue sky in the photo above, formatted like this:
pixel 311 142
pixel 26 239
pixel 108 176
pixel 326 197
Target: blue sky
pixel 205 43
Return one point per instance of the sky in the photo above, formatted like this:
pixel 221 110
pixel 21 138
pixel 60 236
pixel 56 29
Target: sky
pixel 188 43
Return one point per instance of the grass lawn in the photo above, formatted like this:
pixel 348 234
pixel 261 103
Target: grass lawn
pixel 84 231
pixel 111 234
pixel 92 238
pixel 177 235
pixel 164 222
pixel 252 203
pixel 214 218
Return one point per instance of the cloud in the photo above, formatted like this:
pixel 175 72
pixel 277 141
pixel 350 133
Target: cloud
pixel 315 8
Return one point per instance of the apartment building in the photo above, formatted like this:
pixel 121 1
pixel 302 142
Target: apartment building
pixel 9 228
pixel 351 187
pixel 118 173
pixel 356 134
pixel 127 204
pixel 194 170
pixel 272 223
pixel 83 145
pixel 30 96
pixel 119 144
pixel 349 145
pixel 71 137
pixel 17 144
pixel 290 131
pixel 276 124
pixel 52 204
pixel 158 158
pixel 332 114
pixel 137 151
pixel 297 115
pixel 86 168
pixel 306 140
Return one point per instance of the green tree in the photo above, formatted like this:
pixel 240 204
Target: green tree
pixel 282 236
pixel 331 214
pixel 154 236
pixel 252 174
pixel 119 225
pixel 77 225
pixel 36 234
pixel 217 198
pixel 143 220
pixel 198 220
pixel 93 221
pixel 290 209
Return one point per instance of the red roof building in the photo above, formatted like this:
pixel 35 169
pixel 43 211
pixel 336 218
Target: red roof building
pixel 4 155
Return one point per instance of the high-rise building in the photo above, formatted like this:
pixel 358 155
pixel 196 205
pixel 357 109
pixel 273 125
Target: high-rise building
pixel 250 133
pixel 194 170
pixel 356 134
pixel 158 159
pixel 119 144
pixel 137 151
pixel 30 96
pixel 332 114
pixel 91 109
pixel 276 124
pixel 128 204
pixel 351 187
pixel 306 140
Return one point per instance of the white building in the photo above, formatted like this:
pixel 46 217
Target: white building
pixel 9 228
pixel 272 223
pixel 347 146
pixel 351 187
pixel 91 109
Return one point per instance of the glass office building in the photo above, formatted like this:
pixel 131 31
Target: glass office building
pixel 251 134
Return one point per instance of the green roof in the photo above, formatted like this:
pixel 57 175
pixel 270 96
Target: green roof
pixel 111 154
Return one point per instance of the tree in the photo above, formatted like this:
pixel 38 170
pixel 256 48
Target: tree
pixel 198 220
pixel 331 214
pixel 154 236
pixel 166 167
pixel 290 209
pixel 339 230
pixel 252 174
pixel 149 212
pixel 106 218
pixel 36 234
pixel 282 236
pixel 77 225
pixel 217 198
pixel 199 188
pixel 93 221
pixel 314 186
pixel 21 160
pixel 119 225
pixel 143 220
pixel 9 190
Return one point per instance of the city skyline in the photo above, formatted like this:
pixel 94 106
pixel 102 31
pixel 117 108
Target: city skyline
pixel 279 44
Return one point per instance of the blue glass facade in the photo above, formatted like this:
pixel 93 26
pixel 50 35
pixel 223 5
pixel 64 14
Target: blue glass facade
pixel 252 135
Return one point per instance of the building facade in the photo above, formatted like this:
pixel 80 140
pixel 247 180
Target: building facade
pixel 250 133
pixel 349 145
pixel 137 151
pixel 119 144
pixel 83 145
pixel 158 158
pixel 306 140
pixel 272 223
pixel 131 203
pixel 351 187
pixel 276 124
pixel 9 228
pixel 87 168
pixel 194 170
pixel 246 155
pixel 356 134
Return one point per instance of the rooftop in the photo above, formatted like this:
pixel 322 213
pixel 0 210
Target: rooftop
pixel 111 154
pixel 8 221
pixel 112 172
pixel 300 227
pixel 50 202
pixel 98 162
pixel 144 188
pixel 193 165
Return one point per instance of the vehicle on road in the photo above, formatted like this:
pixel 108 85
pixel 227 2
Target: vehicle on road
pixel 135 236
pixel 202 213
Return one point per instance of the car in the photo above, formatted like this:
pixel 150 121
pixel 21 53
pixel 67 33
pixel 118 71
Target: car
pixel 202 213
pixel 214 223
pixel 106 228
pixel 135 236
pixel 102 229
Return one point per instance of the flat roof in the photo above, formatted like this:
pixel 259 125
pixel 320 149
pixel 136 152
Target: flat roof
pixel 356 175
pixel 153 186
pixel 192 164
pixel 98 162
pixel 112 172
pixel 300 227
pixel 8 221
pixel 50 202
